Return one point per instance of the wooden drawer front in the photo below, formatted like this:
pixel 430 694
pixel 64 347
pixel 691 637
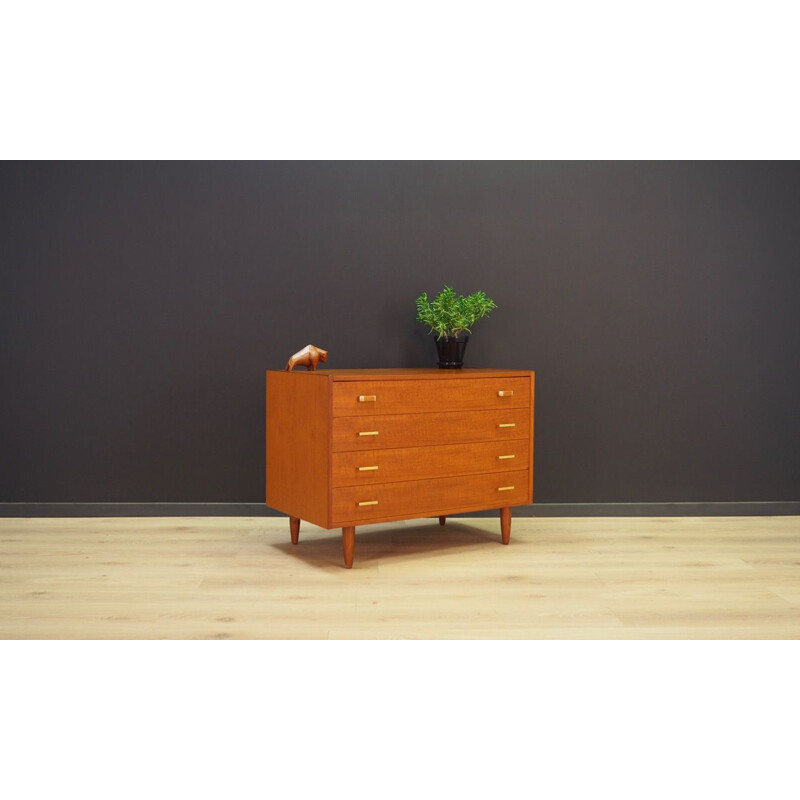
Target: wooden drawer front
pixel 366 398
pixel 359 468
pixel 419 430
pixel 357 504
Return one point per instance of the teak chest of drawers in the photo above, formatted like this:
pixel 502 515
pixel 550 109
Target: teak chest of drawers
pixel 356 447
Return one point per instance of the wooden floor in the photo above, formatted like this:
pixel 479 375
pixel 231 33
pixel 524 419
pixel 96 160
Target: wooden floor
pixel 232 578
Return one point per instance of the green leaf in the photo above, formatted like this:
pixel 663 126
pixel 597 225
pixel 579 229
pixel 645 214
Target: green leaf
pixel 451 314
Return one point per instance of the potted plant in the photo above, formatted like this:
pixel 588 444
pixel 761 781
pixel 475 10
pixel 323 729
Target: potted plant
pixel 451 317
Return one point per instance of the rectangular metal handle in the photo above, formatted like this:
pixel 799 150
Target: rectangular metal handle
pixel 503 457
pixel 504 488
pixel 506 393
pixel 368 433
pixel 366 469
pixel 507 425
pixel 367 398
pixel 368 503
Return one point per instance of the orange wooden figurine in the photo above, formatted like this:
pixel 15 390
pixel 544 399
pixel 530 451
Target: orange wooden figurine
pixel 309 357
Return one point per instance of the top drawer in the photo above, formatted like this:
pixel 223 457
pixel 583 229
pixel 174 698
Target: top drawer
pixel 356 398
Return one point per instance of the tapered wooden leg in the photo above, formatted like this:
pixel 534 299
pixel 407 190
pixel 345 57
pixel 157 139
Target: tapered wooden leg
pixel 505 524
pixel 294 527
pixel 348 545
pixel 442 520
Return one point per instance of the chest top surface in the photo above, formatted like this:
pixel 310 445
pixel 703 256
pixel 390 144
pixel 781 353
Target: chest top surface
pixel 410 373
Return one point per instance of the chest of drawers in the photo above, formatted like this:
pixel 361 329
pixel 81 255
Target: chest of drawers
pixel 356 447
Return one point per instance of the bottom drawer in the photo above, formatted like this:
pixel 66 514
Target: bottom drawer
pixel 359 504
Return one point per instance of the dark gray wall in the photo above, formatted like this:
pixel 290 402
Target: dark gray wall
pixel 142 302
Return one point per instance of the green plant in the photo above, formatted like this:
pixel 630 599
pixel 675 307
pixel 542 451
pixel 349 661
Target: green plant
pixel 450 314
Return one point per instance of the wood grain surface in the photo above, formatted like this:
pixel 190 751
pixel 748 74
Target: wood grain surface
pixel 559 578
pixel 417 430
pixel 357 468
pixel 424 373
pixel 298 445
pixel 446 496
pixel 413 397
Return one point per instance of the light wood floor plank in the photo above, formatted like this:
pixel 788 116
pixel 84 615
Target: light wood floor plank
pixel 240 578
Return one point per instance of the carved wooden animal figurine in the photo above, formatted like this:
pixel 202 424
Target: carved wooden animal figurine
pixel 309 357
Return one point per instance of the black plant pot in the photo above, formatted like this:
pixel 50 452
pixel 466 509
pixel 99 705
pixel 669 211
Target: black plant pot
pixel 451 352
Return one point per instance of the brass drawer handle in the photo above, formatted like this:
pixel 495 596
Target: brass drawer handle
pixel 368 433
pixel 367 398
pixel 504 488
pixel 503 457
pixel 506 393
pixel 366 469
pixel 507 425
pixel 368 503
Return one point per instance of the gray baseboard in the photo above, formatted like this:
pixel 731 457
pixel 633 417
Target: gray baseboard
pixel 747 509
pixel 135 510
